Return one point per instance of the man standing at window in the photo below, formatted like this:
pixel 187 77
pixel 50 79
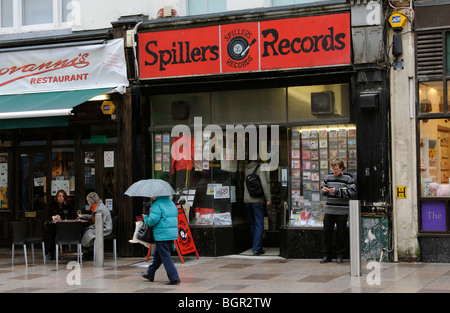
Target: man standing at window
pixel 339 188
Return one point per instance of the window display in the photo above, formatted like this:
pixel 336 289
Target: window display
pixel 208 186
pixel 3 180
pixel 435 157
pixel 311 151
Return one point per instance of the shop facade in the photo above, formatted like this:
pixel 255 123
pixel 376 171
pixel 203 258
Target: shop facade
pixel 61 101
pixel 282 84
pixel 432 38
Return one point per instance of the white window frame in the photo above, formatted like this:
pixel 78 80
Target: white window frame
pixel 17 20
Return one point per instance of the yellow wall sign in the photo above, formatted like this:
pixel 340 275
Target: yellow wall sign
pixel 401 192
pixel 108 107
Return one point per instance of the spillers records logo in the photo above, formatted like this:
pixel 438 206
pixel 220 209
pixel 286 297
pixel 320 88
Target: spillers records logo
pixel 240 42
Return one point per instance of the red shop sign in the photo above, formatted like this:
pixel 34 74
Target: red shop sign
pixel 243 47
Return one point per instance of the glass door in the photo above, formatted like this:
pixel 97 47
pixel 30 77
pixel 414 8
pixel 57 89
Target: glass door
pixel 99 172
pixel 32 187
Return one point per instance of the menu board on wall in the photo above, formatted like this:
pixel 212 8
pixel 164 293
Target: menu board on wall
pixel 311 151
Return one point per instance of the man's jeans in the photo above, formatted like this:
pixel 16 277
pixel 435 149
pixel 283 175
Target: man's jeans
pixel 255 213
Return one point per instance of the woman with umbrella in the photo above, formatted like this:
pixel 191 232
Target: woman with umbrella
pixel 163 217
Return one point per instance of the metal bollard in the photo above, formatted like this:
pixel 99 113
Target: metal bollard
pixel 99 248
pixel 355 238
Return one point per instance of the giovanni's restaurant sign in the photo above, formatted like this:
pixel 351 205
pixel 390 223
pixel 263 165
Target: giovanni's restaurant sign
pixel 63 69
pixel 243 47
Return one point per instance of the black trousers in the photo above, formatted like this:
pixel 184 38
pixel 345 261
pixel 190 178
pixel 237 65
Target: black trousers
pixel 340 221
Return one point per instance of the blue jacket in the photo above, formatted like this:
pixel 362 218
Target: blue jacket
pixel 164 219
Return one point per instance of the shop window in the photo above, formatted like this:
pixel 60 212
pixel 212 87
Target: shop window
pixel 311 151
pixel 448 96
pixel 89 172
pixel 431 97
pixel 244 106
pixel 435 157
pixel 206 6
pixel 32 181
pixel 3 180
pixel 318 102
pixel 194 104
pixel 63 171
pixel 209 186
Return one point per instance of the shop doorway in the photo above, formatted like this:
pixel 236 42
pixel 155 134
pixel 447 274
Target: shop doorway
pixel 32 168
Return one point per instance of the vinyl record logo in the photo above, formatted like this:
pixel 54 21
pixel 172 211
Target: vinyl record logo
pixel 239 47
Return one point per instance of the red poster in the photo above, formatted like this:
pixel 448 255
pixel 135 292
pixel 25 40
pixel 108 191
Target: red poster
pixel 243 47
pixel 185 241
pixel 183 52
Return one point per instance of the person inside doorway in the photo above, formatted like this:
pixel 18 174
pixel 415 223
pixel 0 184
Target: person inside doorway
pixel 339 187
pixel 255 205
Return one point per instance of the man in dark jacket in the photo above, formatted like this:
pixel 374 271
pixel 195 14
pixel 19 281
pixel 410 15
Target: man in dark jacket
pixel 339 188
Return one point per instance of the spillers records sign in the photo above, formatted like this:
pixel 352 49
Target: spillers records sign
pixel 244 47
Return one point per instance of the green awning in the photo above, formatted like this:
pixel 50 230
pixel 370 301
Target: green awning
pixel 47 109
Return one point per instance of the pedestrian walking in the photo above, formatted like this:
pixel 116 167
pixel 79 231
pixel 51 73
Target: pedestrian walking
pixel 339 187
pixel 163 217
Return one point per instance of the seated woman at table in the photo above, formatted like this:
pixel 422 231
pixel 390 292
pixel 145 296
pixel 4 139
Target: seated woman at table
pixel 97 206
pixel 60 209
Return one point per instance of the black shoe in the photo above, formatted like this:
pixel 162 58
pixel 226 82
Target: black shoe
pixel 146 276
pixel 173 282
pixel 325 259
pixel 259 252
pixel 339 259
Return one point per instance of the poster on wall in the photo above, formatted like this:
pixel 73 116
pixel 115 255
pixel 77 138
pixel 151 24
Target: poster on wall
pixel 108 157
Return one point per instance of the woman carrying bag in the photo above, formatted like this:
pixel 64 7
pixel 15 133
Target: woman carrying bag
pixel 163 218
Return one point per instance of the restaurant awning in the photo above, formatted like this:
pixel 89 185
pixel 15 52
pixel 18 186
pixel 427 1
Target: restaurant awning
pixel 39 87
pixel 46 109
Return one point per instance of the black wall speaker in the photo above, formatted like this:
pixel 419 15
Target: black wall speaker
pixel 180 110
pixel 322 102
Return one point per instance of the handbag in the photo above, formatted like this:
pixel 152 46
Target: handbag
pixel 145 233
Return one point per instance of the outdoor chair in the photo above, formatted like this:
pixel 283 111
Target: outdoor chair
pixel 18 238
pixel 69 233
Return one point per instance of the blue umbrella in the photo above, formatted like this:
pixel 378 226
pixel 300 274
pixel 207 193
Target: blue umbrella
pixel 150 188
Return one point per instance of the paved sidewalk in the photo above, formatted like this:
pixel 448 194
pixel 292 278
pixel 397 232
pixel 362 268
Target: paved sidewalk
pixel 229 274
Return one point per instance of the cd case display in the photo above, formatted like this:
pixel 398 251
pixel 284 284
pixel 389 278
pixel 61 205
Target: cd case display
pixel 311 151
